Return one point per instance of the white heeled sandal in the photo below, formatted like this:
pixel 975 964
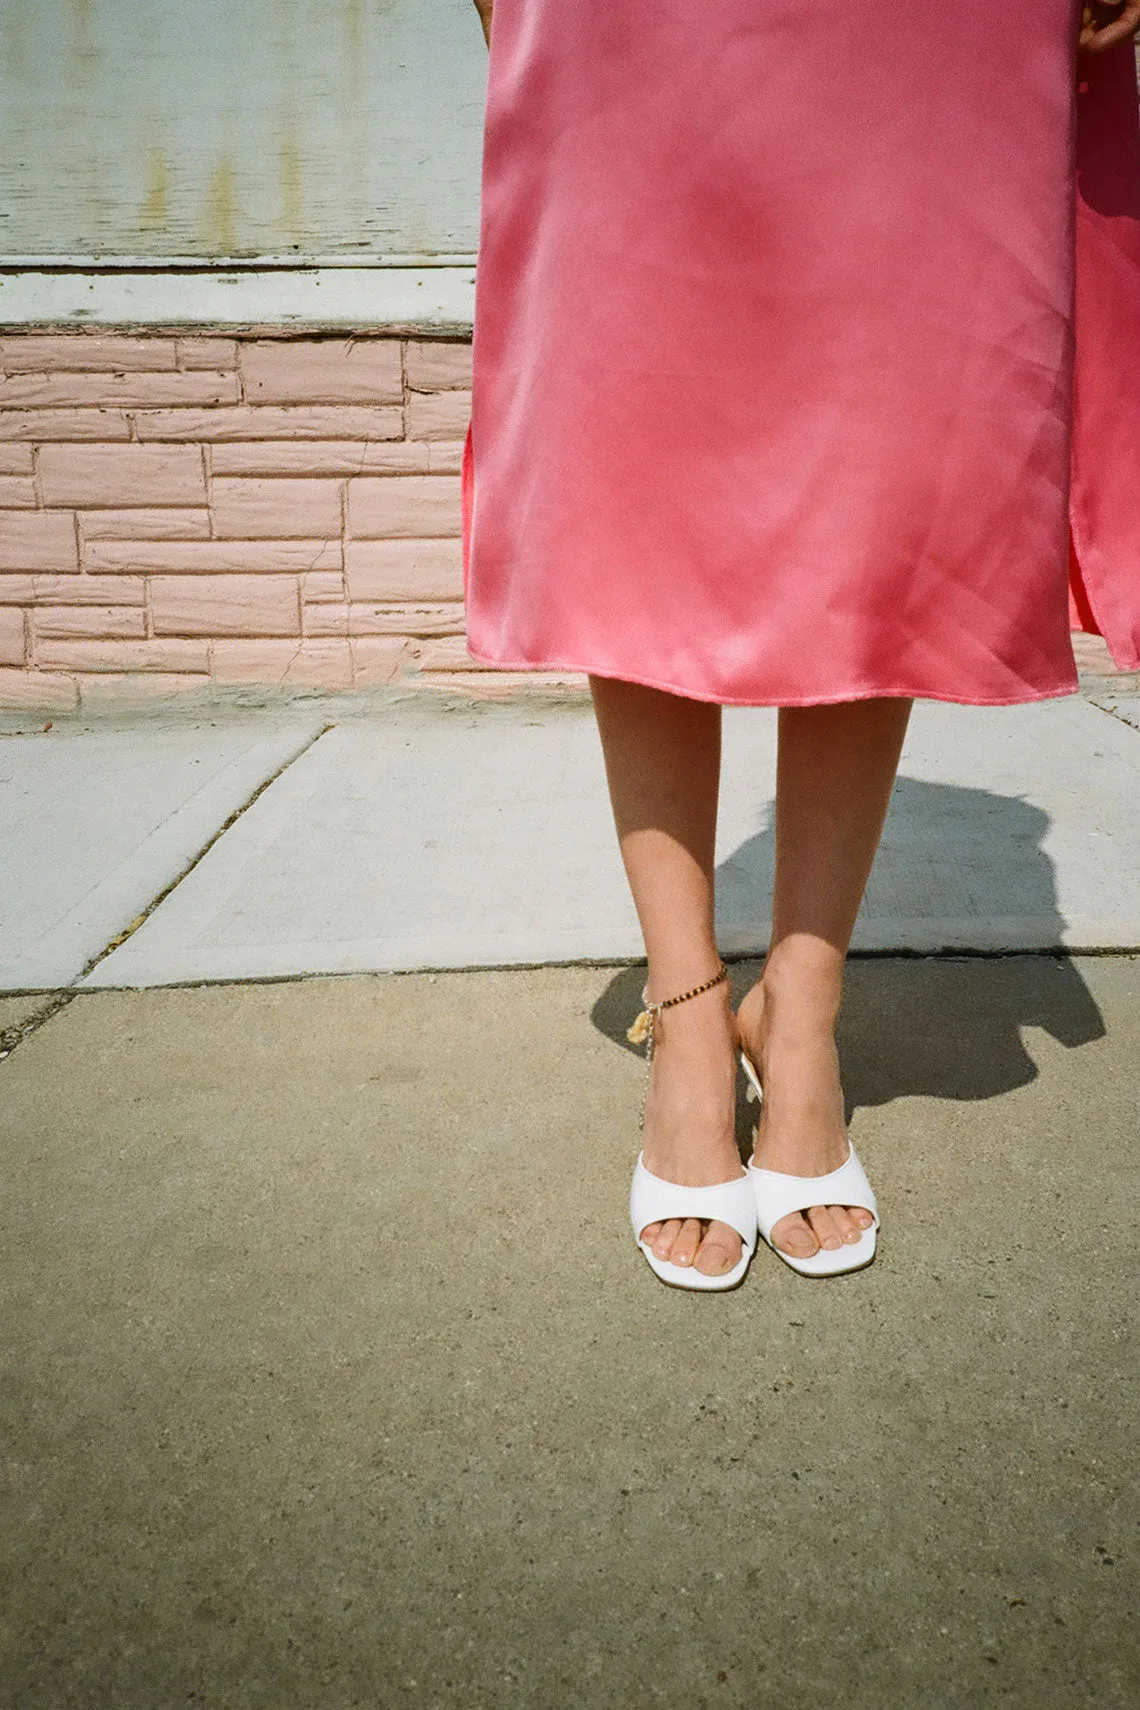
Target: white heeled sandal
pixel 777 1195
pixel 652 1199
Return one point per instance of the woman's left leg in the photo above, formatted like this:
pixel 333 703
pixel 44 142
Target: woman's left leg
pixel 835 771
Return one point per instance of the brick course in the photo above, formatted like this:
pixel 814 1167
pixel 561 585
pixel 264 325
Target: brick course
pixel 415 506
pixel 121 475
pixel 11 635
pixel 403 569
pixel 176 510
pixel 161 655
pixel 246 508
pixel 38 540
pixel 267 421
pixel 47 391
pixel 205 557
pixel 225 605
pixel 50 427
pixel 76 623
pixel 17 492
pixel 437 415
pixel 150 523
pixel 77 589
pixel 324 371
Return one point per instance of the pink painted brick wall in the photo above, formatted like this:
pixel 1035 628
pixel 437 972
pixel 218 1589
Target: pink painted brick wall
pixel 176 510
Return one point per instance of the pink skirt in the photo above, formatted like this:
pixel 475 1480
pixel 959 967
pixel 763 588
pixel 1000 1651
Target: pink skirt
pixel 806 356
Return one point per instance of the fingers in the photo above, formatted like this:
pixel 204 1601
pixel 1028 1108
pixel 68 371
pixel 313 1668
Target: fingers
pixel 1106 25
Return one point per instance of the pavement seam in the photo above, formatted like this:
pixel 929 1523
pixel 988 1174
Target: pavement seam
pixel 950 953
pixel 1111 712
pixel 12 1037
pixel 129 931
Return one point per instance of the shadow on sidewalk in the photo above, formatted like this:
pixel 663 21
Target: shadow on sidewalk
pixel 940 1025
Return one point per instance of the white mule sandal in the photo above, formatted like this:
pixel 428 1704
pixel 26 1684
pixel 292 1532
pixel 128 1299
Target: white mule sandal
pixel 778 1195
pixel 653 1199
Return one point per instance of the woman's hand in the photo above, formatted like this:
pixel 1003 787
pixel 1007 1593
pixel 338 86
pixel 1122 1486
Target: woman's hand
pixel 1105 23
pixel 483 7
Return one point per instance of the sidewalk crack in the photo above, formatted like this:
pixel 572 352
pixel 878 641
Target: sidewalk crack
pixel 129 931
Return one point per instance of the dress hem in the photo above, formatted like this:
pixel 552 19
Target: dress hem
pixel 863 693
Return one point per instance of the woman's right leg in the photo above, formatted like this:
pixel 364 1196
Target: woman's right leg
pixel 662 757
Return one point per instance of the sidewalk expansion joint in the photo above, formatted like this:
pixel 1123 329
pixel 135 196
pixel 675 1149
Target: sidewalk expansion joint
pixel 57 1001
pixel 10 1037
pixel 734 958
pixel 129 931
pixel 1110 712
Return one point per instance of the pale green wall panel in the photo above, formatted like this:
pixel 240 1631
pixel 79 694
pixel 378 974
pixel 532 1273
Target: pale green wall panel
pixel 242 128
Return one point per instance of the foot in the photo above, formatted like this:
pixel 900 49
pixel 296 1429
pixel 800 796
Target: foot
pixel 689 1135
pixel 801 1131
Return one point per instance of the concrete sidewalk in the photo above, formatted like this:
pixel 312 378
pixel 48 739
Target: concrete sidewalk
pixel 332 1375
pixel 314 837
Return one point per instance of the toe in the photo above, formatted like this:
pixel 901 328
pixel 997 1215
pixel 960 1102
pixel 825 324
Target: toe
pixel 687 1242
pixel 860 1216
pixel 844 1222
pixel 794 1236
pixel 667 1233
pixel 825 1228
pixel 719 1251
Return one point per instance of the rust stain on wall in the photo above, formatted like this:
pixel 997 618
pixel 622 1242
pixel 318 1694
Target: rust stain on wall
pixel 355 57
pixel 82 53
pixel 221 208
pixel 312 126
pixel 155 208
pixel 14 42
pixel 289 173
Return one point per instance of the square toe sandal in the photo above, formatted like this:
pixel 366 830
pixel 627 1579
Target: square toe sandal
pixel 778 1195
pixel 652 1199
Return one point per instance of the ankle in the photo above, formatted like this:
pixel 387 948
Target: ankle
pixel 701 1026
pixel 791 1008
pixel 802 977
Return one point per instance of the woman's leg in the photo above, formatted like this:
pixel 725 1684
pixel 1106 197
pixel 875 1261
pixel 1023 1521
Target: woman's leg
pixel 663 767
pixel 835 772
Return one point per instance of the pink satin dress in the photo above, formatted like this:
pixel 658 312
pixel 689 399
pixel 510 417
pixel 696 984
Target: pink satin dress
pixel 806 356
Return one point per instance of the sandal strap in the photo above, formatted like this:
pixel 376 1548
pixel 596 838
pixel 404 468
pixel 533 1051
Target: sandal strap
pixel 652 1199
pixel 778 1195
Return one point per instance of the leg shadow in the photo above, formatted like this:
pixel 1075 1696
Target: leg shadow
pixel 958 870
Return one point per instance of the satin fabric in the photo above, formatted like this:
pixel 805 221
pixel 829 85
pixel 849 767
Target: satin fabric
pixel 776 312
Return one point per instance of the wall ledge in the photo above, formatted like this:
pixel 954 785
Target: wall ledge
pixel 438 299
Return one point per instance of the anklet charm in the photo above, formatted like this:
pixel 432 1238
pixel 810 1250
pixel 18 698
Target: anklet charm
pixel 643 1029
